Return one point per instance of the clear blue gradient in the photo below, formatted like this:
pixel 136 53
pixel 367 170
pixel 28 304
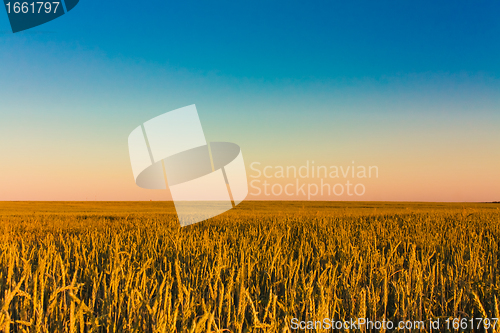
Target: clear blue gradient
pixel 289 39
pixel 409 86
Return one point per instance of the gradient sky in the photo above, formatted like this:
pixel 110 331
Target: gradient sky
pixel 411 87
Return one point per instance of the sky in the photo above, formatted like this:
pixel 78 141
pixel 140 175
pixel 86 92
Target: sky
pixel 412 88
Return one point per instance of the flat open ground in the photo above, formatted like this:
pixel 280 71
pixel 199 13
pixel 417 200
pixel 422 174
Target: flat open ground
pixel 128 266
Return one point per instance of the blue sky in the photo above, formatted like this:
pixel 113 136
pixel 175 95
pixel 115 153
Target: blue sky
pixel 289 39
pixel 411 86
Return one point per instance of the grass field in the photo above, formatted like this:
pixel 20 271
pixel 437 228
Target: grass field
pixel 129 267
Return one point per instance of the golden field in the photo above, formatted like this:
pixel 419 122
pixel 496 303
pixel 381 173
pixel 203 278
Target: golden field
pixel 129 267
